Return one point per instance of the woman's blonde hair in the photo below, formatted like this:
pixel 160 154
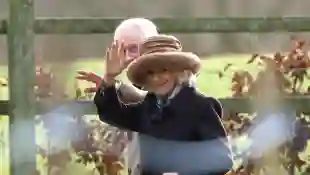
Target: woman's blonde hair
pixel 187 78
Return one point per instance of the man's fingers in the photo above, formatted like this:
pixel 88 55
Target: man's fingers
pixel 114 50
pixel 90 89
pixel 121 50
pixel 108 54
pixel 122 53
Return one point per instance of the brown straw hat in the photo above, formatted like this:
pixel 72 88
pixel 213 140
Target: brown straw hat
pixel 161 52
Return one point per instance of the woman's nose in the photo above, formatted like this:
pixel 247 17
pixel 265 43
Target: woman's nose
pixel 155 77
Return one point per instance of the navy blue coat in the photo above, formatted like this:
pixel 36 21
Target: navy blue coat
pixel 186 136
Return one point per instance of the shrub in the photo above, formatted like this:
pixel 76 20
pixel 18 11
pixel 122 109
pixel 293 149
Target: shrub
pixel 282 74
pixel 92 143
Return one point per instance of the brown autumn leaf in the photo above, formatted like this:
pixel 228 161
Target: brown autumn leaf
pixel 43 83
pixel 263 57
pixel 235 87
pixel 252 59
pixel 114 168
pixel 278 57
pixel 300 43
pixel 227 66
pixel 236 77
pixel 246 75
pixel 235 117
pixel 220 74
pixel 299 163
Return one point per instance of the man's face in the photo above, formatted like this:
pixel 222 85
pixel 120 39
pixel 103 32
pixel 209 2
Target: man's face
pixel 131 44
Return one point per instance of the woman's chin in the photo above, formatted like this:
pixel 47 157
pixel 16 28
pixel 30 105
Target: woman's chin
pixel 163 88
pixel 162 91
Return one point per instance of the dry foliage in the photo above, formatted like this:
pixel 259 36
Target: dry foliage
pixel 289 72
pixel 93 143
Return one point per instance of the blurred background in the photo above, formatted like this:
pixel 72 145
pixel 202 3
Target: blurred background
pixel 62 55
pixel 65 48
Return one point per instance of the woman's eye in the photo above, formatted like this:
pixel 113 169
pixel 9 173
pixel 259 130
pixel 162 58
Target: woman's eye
pixel 150 72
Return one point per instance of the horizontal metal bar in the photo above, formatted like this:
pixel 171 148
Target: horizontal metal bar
pixel 239 105
pixel 172 25
pixel 3 27
pixel 245 105
pixel 4 107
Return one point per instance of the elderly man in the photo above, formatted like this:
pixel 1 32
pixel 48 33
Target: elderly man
pixel 132 32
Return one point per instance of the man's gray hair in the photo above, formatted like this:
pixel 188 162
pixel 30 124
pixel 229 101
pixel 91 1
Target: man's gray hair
pixel 145 27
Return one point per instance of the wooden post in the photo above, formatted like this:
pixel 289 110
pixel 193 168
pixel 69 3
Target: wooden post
pixel 21 82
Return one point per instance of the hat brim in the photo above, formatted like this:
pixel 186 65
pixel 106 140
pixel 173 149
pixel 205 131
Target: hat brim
pixel 171 61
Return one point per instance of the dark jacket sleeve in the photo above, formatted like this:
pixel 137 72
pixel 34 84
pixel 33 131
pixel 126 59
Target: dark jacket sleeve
pixel 211 128
pixel 210 124
pixel 217 106
pixel 114 112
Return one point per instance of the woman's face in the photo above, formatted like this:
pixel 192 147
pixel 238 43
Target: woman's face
pixel 161 82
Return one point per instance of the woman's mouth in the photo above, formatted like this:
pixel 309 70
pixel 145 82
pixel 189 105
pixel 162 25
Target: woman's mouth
pixel 162 83
pixel 157 85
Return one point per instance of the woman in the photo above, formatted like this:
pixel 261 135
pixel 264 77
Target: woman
pixel 180 128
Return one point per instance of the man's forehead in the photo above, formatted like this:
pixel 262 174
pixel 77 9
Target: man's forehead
pixel 131 36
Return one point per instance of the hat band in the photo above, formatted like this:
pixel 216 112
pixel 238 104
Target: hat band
pixel 160 46
pixel 159 50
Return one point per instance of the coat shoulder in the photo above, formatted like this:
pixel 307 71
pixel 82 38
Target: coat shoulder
pixel 209 101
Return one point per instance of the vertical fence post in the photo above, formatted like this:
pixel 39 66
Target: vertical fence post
pixel 21 82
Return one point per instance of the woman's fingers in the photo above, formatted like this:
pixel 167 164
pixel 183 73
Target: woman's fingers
pixel 90 89
pixel 89 76
pixel 81 77
pixel 82 72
